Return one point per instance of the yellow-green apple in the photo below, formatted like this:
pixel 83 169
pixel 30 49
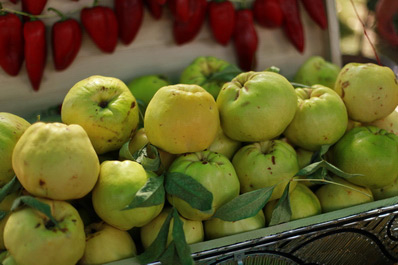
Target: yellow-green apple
pixel 265 164
pixel 388 123
pixel 193 230
pixel 56 161
pixel 387 191
pixel 369 151
pixel 32 238
pixel 144 87
pixel 215 172
pixel 116 188
pixel 216 228
pixel 321 118
pixel 105 243
pixel 5 206
pixel 256 106
pixel 334 197
pixel 200 72
pixel 317 71
pixel 181 118
pixel 105 108
pixel 369 91
pixel 224 145
pixel 303 203
pixel 11 129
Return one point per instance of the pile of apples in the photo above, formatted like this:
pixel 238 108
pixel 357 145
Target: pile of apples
pixel 147 168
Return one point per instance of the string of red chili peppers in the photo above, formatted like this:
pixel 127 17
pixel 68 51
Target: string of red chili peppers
pixel 229 20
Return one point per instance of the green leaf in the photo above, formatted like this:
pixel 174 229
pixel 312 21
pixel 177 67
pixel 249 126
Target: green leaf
pixel 282 212
pixel 124 152
pixel 183 250
pixel 297 85
pixel 190 190
pixel 245 205
pixel 3 214
pixel 323 150
pixel 169 256
pixel 35 204
pixel 158 246
pixel 338 172
pixel 12 186
pixel 148 157
pixel 273 69
pixel 152 193
pixel 225 75
pixel 310 169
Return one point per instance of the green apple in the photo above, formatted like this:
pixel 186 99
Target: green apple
pixel 56 161
pixel 193 230
pixel 369 91
pixel 200 72
pixel 11 129
pixel 215 172
pixel 303 203
pixel 388 123
pixel 303 157
pixel 334 197
pixel 224 145
pixel 369 151
pixel 181 119
pixel 105 108
pixel 216 228
pixel 317 71
pixel 144 87
pixel 117 186
pixel 387 191
pixel 105 243
pixel 321 118
pixel 256 106
pixel 31 238
pixel 5 206
pixel 265 164
pixel 8 260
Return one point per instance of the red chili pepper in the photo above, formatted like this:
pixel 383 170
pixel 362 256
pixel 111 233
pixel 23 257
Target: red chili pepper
pixel 292 25
pixel 129 14
pixel 386 12
pixel 185 32
pixel 14 1
pixel 268 13
pixel 66 39
pixel 154 8
pixel 34 7
pixel 161 2
pixel 245 39
pixel 222 20
pixel 101 25
pixel 181 10
pixel 11 43
pixel 316 10
pixel 35 49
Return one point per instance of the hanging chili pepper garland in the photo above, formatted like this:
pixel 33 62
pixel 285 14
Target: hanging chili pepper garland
pixel 268 13
pixel 292 25
pixel 154 8
pixel 129 14
pixel 222 20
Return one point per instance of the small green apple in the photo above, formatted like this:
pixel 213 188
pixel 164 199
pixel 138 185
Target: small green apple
pixel 224 145
pixel 264 164
pixel 117 186
pixel 56 161
pixel 216 228
pixel 201 70
pixel 105 243
pixel 317 71
pixel 387 191
pixel 303 203
pixel 105 108
pixel 256 106
pixel 31 238
pixel 369 151
pixel 369 91
pixel 321 118
pixel 303 157
pixel 334 197
pixel 215 172
pixel 11 129
pixel 144 87
pixel 5 205
pixel 193 230
pixel 388 123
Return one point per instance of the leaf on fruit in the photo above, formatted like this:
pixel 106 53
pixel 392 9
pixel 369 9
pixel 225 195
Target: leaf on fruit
pixel 169 256
pixel 148 157
pixel 124 152
pixel 190 190
pixel 158 246
pixel 35 204
pixel 273 69
pixel 282 211
pixel 245 205
pixel 298 85
pixel 338 172
pixel 310 169
pixel 225 75
pixel 3 214
pixel 183 250
pixel 12 186
pixel 152 193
